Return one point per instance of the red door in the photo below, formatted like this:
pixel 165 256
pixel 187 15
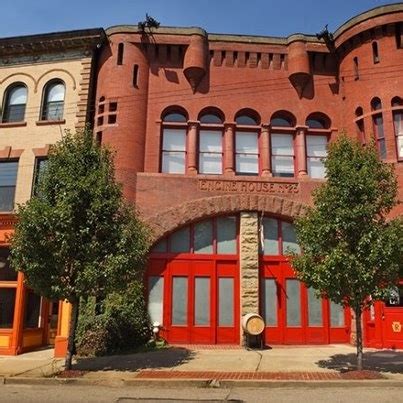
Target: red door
pixel 293 314
pixel 200 300
pixel 392 320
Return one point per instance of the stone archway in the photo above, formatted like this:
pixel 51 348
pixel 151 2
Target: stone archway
pixel 166 221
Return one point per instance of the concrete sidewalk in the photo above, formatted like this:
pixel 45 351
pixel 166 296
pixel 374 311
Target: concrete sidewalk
pixel 308 362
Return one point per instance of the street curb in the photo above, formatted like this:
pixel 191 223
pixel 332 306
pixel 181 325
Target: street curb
pixel 198 383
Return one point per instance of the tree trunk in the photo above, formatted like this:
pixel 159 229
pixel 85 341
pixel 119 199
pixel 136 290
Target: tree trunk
pixel 358 314
pixel 71 346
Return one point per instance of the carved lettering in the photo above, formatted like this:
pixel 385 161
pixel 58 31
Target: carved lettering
pixel 232 186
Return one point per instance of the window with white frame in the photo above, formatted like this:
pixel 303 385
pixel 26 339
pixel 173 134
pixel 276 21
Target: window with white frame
pixel 316 152
pixel 246 153
pixel 174 151
pixel 282 154
pixel 210 152
pixel 53 100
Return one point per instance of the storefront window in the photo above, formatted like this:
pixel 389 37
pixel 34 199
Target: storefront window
pixel 6 272
pixel 32 310
pixel 7 305
pixel 226 235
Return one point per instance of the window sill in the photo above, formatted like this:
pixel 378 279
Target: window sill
pixel 12 124
pixel 50 122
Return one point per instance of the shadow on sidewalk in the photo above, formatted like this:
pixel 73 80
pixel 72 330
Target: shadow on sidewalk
pixel 381 361
pixel 164 358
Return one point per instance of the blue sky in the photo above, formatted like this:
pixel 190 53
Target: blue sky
pixel 255 17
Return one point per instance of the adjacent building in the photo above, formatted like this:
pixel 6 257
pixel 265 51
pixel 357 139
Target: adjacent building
pixel 46 84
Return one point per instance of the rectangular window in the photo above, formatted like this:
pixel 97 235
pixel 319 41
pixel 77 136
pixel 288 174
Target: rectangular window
pixel 179 301
pixel 246 153
pixel 380 135
pixel 398 124
pixel 226 235
pixel 210 152
pixel 202 301
pixel 8 179
pixel 32 310
pixel 282 154
pixel 203 237
pixel 174 151
pixel 316 152
pixel 270 302
pixel 293 302
pixel 155 298
pixel 270 233
pixel 225 301
pixel 290 244
pixel 336 315
pixel 180 241
pixel 314 309
pixel 40 166
pixel 7 304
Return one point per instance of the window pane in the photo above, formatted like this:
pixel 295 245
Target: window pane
pixel 280 122
pixel 378 121
pixel 226 235
pixel 270 302
pixel 179 300
pixel 174 140
pixel 398 124
pixel 316 146
pixel 155 298
pixel 225 301
pixel 32 310
pixel 210 163
pixel 14 113
pixel 289 238
pixel 202 301
pixel 246 142
pixel 282 144
pixel 53 110
pixel 180 241
pixel 7 304
pixel 316 168
pixel 56 93
pixel 203 237
pixel 247 164
pixel 6 272
pixel 314 309
pixel 282 166
pixel 18 95
pixel 293 302
pixel 210 141
pixel 40 166
pixel 245 120
pixel 173 162
pixel 160 246
pixel 270 233
pixel 210 118
pixel 8 178
pixel 382 148
pixel 336 315
pixel 400 146
pixel 175 117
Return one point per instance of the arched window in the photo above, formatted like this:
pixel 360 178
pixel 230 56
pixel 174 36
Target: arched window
pixel 247 143
pixel 282 119
pixel 53 100
pixel 375 53
pixel 174 131
pixel 377 122
pixel 318 121
pixel 398 125
pixel 15 103
pixel 211 142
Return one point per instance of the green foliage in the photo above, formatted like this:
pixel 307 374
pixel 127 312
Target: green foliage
pixel 77 238
pixel 350 250
pixel 121 323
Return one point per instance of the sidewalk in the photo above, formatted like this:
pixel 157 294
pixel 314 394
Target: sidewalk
pixel 205 365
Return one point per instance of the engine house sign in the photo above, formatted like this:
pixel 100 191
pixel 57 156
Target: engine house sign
pixel 232 186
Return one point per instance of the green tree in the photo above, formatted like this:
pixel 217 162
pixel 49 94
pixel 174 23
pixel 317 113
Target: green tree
pixel 77 237
pixel 351 253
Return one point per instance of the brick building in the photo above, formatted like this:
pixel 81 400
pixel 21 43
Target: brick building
pixel 219 139
pixel 45 87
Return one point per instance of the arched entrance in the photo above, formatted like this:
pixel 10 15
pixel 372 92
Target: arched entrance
pixel 204 276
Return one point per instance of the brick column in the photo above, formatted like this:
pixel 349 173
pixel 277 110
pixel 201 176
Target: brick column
pixel 249 262
pixel 300 152
pixel 229 150
pixel 265 151
pixel 192 147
